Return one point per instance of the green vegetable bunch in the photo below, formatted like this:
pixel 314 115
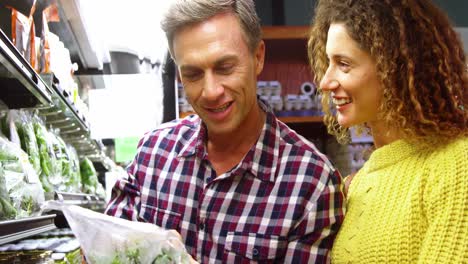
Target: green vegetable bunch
pixel 89 178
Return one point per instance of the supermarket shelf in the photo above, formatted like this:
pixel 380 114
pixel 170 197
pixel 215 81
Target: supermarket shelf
pixel 21 86
pixel 81 199
pixel 12 230
pixel 75 122
pixel 285 32
pixel 301 119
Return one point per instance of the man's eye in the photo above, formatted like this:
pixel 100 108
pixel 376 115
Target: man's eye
pixel 191 75
pixel 225 69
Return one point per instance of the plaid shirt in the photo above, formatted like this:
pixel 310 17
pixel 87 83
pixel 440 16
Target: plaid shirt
pixel 282 203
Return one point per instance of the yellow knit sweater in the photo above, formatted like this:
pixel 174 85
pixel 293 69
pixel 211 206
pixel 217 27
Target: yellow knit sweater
pixel 407 205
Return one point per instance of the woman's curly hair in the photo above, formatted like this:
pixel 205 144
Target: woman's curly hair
pixel 419 58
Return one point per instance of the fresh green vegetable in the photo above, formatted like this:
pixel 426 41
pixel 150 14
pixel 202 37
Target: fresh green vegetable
pixel 88 176
pixel 46 155
pixel 27 204
pixel 164 258
pixel 7 211
pixel 29 143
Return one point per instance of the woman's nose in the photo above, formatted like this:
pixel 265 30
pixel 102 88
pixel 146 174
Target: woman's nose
pixel 328 82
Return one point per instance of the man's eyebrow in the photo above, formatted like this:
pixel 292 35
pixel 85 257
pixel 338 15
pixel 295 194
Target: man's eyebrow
pixel 188 68
pixel 221 60
pixel 225 58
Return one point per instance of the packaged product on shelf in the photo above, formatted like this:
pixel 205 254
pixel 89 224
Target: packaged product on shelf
pixel 89 177
pixel 20 180
pixel 49 14
pixel 23 35
pixel 56 177
pixel 23 121
pixel 8 128
pixel 106 239
pixel 7 211
pixel 46 154
pixel 64 159
pixel 75 174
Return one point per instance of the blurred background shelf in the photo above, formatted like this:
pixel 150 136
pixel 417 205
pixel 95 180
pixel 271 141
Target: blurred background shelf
pixel 285 32
pixel 21 86
pixel 12 230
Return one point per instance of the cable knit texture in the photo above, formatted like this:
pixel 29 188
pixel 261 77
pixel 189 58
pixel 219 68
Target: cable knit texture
pixel 408 205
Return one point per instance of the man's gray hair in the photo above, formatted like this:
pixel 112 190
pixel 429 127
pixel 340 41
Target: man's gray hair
pixel 182 13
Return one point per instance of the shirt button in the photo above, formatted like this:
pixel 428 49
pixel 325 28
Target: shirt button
pixel 255 252
pixel 201 226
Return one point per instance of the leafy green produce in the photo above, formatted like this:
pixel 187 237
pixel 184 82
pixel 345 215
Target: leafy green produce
pixel 164 258
pixel 46 156
pixel 75 175
pixel 5 154
pixel 89 178
pixel 55 177
pixel 28 139
pixel 65 160
pixel 7 211
pixel 27 204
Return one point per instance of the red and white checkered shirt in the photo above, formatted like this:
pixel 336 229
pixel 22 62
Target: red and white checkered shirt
pixel 281 204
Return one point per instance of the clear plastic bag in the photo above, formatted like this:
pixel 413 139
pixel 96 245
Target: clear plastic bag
pixel 20 183
pixel 111 240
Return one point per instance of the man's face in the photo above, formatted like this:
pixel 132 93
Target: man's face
pixel 218 72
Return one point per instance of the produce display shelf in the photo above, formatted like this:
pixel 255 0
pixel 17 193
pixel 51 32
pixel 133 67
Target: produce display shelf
pixel 84 200
pixel 21 86
pixel 65 104
pixel 12 230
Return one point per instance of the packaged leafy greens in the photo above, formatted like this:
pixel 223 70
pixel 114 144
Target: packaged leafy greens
pixel 74 180
pixel 7 211
pixel 56 178
pixel 8 127
pixel 89 177
pixel 110 240
pixel 46 155
pixel 21 191
pixel 24 125
pixel 65 162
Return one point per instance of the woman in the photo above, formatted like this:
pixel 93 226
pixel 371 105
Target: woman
pixel 397 68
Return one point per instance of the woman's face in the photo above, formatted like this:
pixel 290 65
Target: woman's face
pixel 351 79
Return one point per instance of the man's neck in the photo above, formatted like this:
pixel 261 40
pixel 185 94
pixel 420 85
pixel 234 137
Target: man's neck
pixel 226 150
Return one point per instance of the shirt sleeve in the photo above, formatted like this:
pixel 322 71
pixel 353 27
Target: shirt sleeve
pixel 446 206
pixel 126 195
pixel 313 237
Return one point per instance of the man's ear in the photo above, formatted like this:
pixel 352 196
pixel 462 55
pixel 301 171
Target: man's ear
pixel 259 57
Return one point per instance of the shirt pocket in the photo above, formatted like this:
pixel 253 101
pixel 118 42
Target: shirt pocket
pixel 255 247
pixel 160 217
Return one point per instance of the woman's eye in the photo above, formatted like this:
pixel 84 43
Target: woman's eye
pixel 344 65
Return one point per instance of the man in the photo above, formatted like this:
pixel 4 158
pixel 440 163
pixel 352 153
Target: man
pixel 236 183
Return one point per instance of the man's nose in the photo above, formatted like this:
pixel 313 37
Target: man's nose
pixel 212 88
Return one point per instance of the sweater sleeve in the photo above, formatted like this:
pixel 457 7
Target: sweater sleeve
pixel 445 202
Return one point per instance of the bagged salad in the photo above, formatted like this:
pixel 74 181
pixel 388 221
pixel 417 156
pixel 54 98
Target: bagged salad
pixel 110 240
pixel 21 193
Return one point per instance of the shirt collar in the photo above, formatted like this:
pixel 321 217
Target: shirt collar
pixel 261 160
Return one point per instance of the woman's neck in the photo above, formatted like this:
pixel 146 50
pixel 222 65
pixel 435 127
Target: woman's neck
pixel 383 135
